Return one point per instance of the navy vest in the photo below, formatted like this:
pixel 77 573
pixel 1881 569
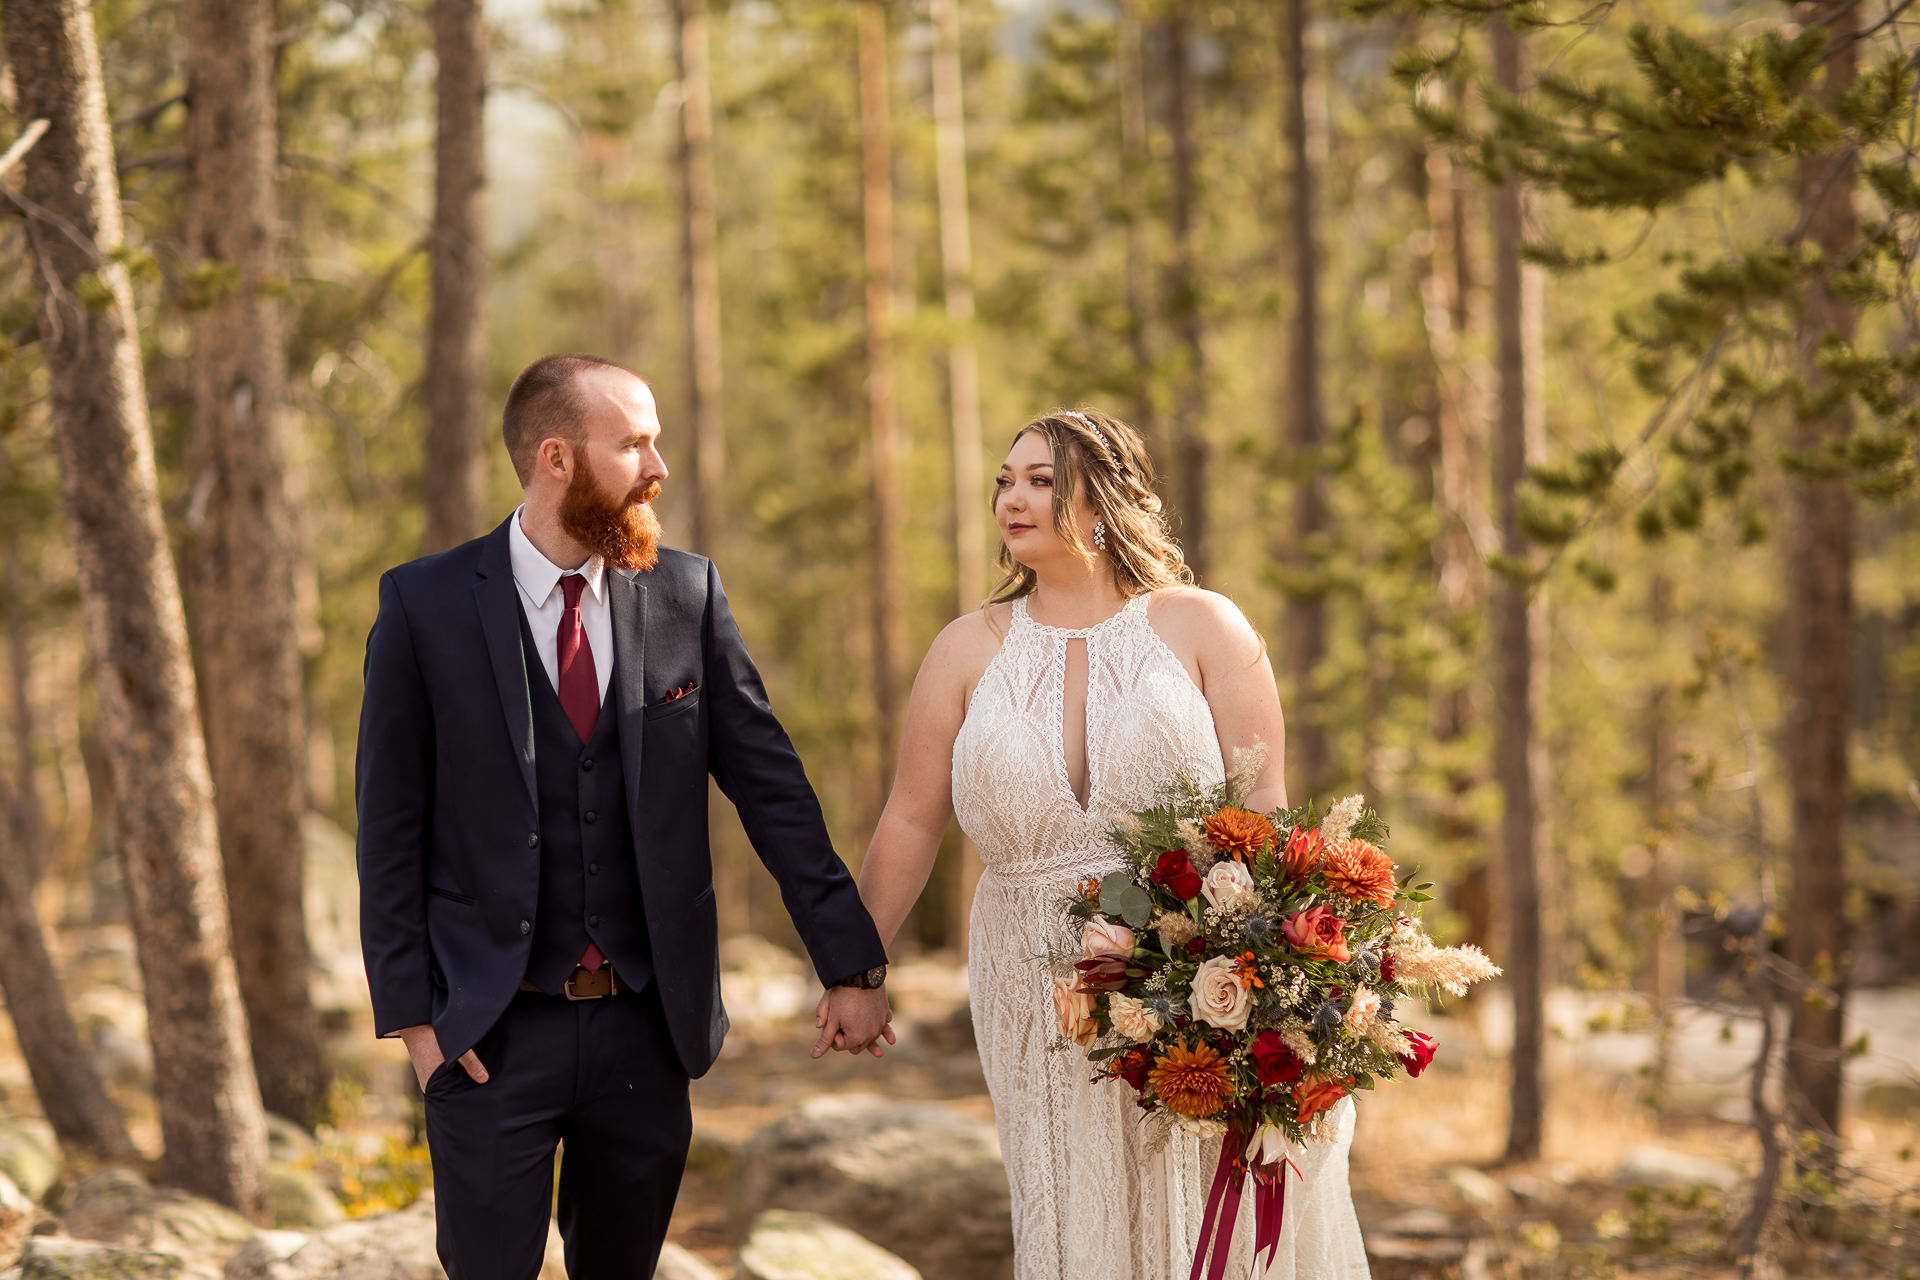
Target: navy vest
pixel 589 886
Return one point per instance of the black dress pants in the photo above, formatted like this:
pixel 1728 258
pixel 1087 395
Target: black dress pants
pixel 599 1076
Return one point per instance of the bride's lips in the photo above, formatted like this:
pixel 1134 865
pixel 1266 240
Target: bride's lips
pixel 1016 527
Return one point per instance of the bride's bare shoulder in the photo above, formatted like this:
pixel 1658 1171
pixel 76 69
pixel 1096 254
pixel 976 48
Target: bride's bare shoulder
pixel 1204 623
pixel 967 644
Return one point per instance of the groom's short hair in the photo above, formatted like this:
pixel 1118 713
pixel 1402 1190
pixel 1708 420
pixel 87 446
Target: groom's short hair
pixel 544 402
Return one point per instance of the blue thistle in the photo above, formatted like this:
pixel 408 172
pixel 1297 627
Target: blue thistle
pixel 1165 1008
pixel 1259 928
pixel 1328 1016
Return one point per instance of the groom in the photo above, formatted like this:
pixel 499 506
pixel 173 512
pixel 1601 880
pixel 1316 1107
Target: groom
pixel 543 706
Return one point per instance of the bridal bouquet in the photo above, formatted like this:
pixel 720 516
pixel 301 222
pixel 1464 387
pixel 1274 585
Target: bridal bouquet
pixel 1245 971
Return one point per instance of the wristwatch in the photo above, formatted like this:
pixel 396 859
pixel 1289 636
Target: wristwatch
pixel 866 980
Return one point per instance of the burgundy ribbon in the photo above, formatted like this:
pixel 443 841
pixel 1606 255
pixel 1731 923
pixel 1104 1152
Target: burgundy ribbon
pixel 1223 1209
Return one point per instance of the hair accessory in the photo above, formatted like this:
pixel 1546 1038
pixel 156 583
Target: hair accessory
pixel 1106 445
pixel 1100 534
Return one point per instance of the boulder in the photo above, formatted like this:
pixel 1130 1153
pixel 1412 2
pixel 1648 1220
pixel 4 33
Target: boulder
pixel 890 1168
pixel 17 1216
pixel 805 1246
pixel 677 1264
pixel 287 1142
pixel 386 1246
pixel 761 981
pixel 1667 1170
pixel 299 1199
pixel 117 1207
pixel 29 1157
pixel 1478 1190
pixel 1426 1222
pixel 60 1258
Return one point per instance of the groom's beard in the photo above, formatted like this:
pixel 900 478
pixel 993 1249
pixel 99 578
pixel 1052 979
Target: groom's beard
pixel 622 531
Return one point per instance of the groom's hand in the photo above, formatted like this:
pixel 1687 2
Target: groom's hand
pixel 424 1048
pixel 852 1019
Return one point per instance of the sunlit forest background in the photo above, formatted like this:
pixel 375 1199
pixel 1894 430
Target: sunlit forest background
pixel 1539 378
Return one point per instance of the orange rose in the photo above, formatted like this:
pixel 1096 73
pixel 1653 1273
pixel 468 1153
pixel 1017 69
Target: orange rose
pixel 1318 932
pixel 1316 1093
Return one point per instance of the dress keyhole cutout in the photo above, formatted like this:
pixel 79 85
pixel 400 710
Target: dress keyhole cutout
pixel 1073 723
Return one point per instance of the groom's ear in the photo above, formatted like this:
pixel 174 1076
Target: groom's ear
pixel 554 458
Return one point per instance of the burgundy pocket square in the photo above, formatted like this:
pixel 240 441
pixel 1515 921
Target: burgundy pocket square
pixel 679 693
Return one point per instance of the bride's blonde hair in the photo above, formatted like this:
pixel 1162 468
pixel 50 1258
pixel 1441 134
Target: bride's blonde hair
pixel 1106 457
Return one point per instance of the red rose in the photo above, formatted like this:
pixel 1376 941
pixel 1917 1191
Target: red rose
pixel 1196 945
pixel 1276 1063
pixel 1133 1066
pixel 1177 875
pixel 1417 1057
pixel 1386 966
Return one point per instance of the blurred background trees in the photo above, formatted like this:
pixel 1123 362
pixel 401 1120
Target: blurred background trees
pixel 1434 315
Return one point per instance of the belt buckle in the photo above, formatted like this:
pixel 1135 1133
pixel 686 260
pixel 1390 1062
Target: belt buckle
pixel 566 988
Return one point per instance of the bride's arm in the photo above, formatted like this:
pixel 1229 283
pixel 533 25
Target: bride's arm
pixel 907 839
pixel 1238 682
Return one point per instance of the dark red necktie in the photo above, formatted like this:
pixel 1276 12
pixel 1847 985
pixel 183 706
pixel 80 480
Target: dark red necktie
pixel 579 690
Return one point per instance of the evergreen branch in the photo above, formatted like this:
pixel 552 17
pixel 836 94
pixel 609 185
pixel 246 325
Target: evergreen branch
pixel 147 115
pixel 348 176
pixel 1893 14
pixel 23 144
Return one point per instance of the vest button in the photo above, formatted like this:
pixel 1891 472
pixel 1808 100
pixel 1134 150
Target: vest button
pixel 594 921
pixel 586 763
pixel 526 927
pixel 593 868
pixel 590 815
pixel 533 839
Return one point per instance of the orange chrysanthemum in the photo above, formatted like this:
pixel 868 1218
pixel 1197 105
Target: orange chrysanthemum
pixel 1239 832
pixel 1193 1082
pixel 1247 969
pixel 1361 871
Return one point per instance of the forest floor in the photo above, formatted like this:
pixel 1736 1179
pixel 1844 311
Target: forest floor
pixel 1609 1198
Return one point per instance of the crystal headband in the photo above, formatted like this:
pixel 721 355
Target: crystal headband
pixel 1106 445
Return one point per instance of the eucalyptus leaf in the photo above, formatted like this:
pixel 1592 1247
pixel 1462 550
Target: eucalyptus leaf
pixel 1111 889
pixel 1134 904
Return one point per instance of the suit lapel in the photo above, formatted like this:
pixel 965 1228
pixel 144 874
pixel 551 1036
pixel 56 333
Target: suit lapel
pixel 628 598
pixel 499 605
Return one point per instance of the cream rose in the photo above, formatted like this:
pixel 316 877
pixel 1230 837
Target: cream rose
pixel 1074 1009
pixel 1201 1127
pixel 1218 997
pixel 1131 1018
pixel 1362 1009
pixel 1229 885
pixel 1104 938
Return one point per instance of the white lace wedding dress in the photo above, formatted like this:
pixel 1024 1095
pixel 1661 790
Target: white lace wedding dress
pixel 1088 1202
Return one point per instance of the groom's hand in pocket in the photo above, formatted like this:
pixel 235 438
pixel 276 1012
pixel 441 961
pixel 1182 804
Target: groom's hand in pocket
pixel 852 1019
pixel 424 1048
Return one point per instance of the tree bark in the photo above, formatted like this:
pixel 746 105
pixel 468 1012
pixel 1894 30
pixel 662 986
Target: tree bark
pixel 246 623
pixel 210 1115
pixel 1819 648
pixel 1305 432
pixel 1514 656
pixel 889 622
pixel 1130 69
pixel 455 482
pixel 963 375
pixel 1183 297
pixel 1666 953
pixel 72 1097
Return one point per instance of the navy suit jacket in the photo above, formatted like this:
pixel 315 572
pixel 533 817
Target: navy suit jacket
pixel 444 783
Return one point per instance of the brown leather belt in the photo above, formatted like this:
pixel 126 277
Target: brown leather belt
pixel 585 984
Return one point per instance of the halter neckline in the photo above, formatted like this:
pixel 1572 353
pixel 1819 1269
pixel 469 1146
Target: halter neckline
pixel 1077 633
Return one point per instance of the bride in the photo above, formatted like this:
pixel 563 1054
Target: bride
pixel 1095 674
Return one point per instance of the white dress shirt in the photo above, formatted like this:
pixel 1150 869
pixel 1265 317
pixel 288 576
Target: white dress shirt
pixel 538 579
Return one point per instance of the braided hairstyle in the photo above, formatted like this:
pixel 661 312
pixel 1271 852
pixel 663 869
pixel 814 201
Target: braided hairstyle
pixel 1107 458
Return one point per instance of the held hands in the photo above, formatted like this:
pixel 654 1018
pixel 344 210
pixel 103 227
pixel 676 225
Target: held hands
pixel 851 1019
pixel 424 1048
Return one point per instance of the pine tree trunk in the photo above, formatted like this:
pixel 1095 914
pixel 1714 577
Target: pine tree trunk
pixel 889 622
pixel 242 559
pixel 1130 70
pixel 455 486
pixel 210 1115
pixel 1307 744
pixel 963 377
pixel 1666 954
pixel 1190 449
pixel 65 1080
pixel 1514 655
pixel 1819 648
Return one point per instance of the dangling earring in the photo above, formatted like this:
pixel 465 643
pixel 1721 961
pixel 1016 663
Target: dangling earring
pixel 1100 534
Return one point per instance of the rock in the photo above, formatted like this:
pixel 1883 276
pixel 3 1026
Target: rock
pixel 300 1199
pixel 60 1258
pixel 287 1142
pixel 386 1246
pixel 123 1059
pixel 330 884
pixel 1407 1249
pixel 1426 1221
pixel 17 1215
pixel 761 981
pixel 29 1158
pixel 117 1207
pixel 1478 1189
pixel 677 1264
pixel 890 1168
pixel 1669 1170
pixel 804 1246
pixel 1525 1186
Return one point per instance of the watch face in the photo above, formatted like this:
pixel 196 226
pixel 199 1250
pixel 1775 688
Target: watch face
pixel 876 976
